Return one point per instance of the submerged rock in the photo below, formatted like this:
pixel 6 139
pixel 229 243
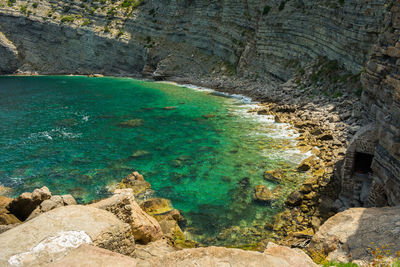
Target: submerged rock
pixel 170 108
pixel 156 206
pixel 263 194
pixel 140 153
pixel 145 228
pixel 67 122
pixel 209 116
pixel 131 123
pixel 274 175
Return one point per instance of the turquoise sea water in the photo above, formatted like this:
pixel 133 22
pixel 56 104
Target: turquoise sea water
pixel 205 155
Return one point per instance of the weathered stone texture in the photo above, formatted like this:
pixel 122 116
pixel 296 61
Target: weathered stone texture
pixel 33 240
pixel 381 96
pixel 237 32
pixel 347 235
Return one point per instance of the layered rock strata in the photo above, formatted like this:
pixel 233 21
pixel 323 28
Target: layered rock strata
pixel 382 98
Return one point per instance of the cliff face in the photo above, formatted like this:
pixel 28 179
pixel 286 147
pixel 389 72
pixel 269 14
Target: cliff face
pixel 255 37
pixel 382 97
pixel 47 47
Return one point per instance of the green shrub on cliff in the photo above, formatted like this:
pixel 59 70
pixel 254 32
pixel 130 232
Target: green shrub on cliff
pixel 24 9
pixel 86 22
pixel 67 19
pixel 11 2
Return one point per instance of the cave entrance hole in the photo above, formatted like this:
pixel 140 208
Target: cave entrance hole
pixel 362 163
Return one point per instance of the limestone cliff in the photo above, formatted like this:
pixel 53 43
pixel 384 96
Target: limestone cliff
pixel 253 37
pixel 382 97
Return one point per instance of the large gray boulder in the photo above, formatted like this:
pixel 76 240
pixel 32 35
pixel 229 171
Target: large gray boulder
pixel 52 234
pixel 347 235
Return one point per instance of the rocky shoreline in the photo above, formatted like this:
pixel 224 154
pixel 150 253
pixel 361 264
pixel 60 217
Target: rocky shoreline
pixel 145 230
pixel 325 125
pixel 326 115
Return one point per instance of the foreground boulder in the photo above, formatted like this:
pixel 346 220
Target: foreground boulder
pixel 144 227
pixel 220 256
pixel 152 250
pixel 347 235
pixel 51 234
pixel 87 255
pixel 23 205
pixel 295 257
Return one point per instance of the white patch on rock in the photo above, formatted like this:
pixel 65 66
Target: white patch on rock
pixel 63 241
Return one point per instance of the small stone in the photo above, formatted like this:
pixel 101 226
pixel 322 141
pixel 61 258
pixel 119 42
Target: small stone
pixel 48 205
pixel 68 200
pixel 169 108
pixel 263 194
pixel 208 116
pixel 325 137
pixel 274 175
pixel 131 123
pixel 294 199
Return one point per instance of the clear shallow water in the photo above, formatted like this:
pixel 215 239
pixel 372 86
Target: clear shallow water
pixel 63 132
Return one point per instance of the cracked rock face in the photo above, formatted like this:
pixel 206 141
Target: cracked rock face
pixel 29 242
pixel 8 55
pixel 347 235
pixel 145 228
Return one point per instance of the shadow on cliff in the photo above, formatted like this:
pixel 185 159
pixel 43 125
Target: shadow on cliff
pixel 51 48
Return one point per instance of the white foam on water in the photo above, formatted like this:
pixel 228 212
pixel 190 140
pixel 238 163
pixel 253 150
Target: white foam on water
pixel 63 241
pixel 54 133
pixel 267 125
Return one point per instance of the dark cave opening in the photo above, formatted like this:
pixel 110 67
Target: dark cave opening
pixel 362 162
